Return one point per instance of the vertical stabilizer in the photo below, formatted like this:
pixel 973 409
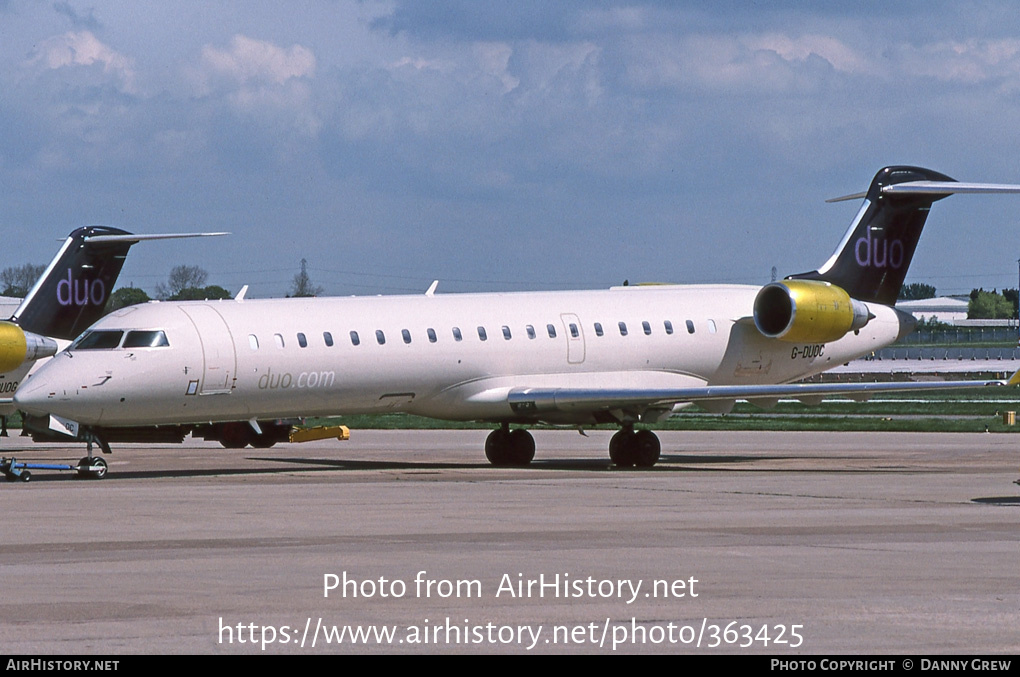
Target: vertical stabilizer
pixel 872 259
pixel 72 292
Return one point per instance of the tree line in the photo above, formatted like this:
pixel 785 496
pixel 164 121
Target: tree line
pixel 184 283
pixel 983 305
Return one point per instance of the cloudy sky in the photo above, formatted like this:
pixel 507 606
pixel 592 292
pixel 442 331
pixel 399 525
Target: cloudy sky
pixel 503 145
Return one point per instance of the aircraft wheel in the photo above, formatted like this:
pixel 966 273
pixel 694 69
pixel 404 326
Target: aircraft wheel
pixel 621 448
pixel 99 468
pixel 26 476
pixel 10 478
pixel 522 447
pixel 646 449
pixel 94 468
pixel 82 469
pixel 236 435
pixel 262 442
pixel 498 447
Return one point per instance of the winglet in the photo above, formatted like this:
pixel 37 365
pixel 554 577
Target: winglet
pixel 1014 379
pixel 240 294
pixel 431 291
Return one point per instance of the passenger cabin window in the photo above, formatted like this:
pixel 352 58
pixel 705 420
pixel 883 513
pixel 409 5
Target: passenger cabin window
pixel 481 334
pixel 355 340
pixel 647 327
pixel 574 333
pixel 690 327
pixel 432 335
pixel 457 336
pixel 506 332
pixel 669 326
pixel 598 329
pixel 253 341
pixel 406 335
pixel 380 336
pixel 146 339
pixel 328 338
pixel 279 340
pixel 623 329
pixel 301 340
pixel 98 340
pixel 551 329
pixel 531 331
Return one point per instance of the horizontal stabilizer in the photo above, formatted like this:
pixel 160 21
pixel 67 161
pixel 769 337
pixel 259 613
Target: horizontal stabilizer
pixel 935 188
pixel 947 188
pixel 132 238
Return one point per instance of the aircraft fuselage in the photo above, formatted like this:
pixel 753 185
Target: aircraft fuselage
pixel 448 356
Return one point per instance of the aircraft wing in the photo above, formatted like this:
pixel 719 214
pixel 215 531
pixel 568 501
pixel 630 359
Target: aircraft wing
pixel 534 401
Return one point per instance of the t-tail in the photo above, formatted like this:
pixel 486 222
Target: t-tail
pixel 72 293
pixel 870 263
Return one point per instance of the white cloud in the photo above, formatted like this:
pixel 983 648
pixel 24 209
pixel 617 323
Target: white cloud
pixel 967 62
pixel 839 55
pixel 262 80
pixel 255 61
pixel 84 49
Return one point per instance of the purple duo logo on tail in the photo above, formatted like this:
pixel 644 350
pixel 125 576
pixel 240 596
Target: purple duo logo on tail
pixel 878 252
pixel 83 292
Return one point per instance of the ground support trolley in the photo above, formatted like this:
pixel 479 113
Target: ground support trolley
pixel 89 467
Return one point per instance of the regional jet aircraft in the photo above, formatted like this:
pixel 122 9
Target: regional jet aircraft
pixel 622 355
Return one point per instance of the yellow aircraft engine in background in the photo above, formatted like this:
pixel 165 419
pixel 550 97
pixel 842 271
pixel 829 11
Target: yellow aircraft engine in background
pixel 18 346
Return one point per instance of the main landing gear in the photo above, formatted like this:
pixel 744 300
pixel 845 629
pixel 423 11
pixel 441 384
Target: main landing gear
pixel 504 447
pixel 628 448
pixel 631 447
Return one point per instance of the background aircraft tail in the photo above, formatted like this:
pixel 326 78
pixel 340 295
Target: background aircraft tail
pixel 72 293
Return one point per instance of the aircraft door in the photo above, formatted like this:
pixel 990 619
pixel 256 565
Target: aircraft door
pixel 575 338
pixel 219 358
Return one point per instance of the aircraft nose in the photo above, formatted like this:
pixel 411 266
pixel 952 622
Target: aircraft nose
pixel 35 397
pixel 48 392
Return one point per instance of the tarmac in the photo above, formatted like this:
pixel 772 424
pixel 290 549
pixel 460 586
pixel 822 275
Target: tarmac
pixel 409 542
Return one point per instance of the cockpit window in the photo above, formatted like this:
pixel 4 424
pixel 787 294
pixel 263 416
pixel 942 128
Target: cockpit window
pixel 146 339
pixel 98 340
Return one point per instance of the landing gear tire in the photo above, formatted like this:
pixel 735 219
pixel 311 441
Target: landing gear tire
pixel 646 449
pixel 619 449
pixel 497 447
pixel 522 447
pixel 628 448
pixel 26 476
pixel 93 468
pixel 504 448
pixel 236 435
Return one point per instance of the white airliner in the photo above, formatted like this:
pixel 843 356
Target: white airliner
pixel 623 355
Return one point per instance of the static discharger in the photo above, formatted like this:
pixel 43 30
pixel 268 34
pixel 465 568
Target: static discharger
pixel 340 432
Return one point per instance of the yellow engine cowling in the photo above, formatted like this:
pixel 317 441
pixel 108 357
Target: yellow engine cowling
pixel 807 311
pixel 18 346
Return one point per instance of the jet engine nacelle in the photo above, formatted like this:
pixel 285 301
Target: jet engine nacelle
pixel 18 346
pixel 807 311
